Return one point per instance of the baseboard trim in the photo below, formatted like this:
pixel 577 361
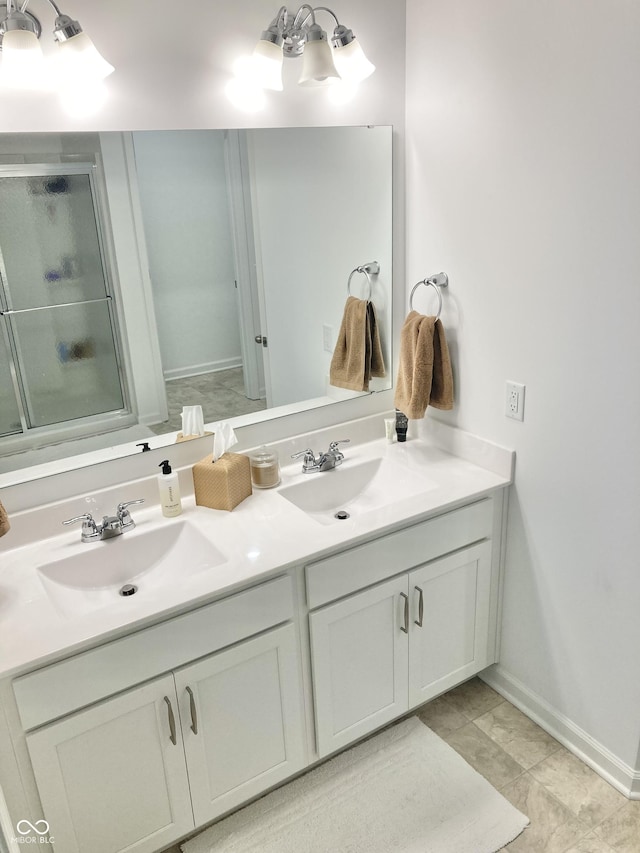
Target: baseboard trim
pixel 623 777
pixel 199 369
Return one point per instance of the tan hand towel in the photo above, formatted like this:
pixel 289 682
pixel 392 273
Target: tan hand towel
pixel 4 521
pixel 357 355
pixel 376 362
pixel 424 370
pixel 441 396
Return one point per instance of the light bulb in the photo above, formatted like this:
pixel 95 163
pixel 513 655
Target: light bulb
pixel 83 98
pixel 342 91
pixel 242 90
pixel 267 65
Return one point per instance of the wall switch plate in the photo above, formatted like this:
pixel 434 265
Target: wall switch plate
pixel 327 338
pixel 514 402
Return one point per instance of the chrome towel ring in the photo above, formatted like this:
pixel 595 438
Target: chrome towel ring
pixel 368 269
pixel 437 281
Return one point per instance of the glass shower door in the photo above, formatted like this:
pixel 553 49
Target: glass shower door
pixel 62 360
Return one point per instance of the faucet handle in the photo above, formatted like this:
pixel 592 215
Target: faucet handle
pixel 120 509
pixel 89 527
pixel 123 514
pixel 309 455
pixel 86 518
pixel 334 444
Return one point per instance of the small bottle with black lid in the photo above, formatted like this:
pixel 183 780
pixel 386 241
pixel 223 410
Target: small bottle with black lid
pixel 169 491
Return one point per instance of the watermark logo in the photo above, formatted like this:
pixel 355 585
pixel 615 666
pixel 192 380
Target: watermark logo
pixel 32 833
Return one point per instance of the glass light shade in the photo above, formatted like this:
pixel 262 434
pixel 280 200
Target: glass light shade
pixel 23 65
pixel 317 64
pixel 266 62
pixel 353 66
pixel 79 56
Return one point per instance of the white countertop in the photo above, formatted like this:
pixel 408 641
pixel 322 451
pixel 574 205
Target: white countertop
pixel 262 536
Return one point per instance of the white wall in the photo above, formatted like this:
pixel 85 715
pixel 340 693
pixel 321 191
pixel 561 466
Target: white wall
pixel 523 183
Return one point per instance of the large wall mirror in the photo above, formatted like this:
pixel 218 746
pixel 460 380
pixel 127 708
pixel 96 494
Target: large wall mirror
pixel 143 272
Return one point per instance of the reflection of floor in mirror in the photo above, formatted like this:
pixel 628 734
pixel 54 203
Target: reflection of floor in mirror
pixel 221 395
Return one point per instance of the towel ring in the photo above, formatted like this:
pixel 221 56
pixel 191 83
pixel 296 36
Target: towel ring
pixel 436 281
pixel 369 269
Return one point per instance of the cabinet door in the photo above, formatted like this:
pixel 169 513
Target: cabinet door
pixel 111 777
pixel 450 598
pixel 242 721
pixel 359 660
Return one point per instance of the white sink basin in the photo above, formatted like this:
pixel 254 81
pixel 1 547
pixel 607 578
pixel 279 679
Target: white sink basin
pixel 356 488
pixel 90 575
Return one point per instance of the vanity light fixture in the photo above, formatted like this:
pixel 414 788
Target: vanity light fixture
pixel 77 63
pixel 339 65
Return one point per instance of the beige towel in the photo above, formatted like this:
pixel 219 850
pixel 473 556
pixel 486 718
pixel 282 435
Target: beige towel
pixel 424 371
pixel 4 521
pixel 357 355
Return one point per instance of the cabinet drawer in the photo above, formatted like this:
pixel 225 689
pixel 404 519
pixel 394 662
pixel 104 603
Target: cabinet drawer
pixel 359 567
pixel 63 687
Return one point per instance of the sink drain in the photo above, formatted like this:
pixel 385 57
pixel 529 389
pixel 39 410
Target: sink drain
pixel 341 515
pixel 128 589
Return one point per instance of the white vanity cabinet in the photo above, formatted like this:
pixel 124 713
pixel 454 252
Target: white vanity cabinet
pixel 137 742
pixel 395 644
pixel 140 769
pixel 110 778
pixel 241 721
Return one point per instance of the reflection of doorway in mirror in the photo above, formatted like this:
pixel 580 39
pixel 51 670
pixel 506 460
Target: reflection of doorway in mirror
pixel 192 271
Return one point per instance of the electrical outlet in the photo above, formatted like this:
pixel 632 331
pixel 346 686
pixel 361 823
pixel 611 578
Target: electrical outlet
pixel 327 337
pixel 514 402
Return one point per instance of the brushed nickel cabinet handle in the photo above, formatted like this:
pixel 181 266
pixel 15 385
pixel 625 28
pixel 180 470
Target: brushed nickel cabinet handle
pixel 172 722
pixel 405 627
pixel 194 711
pixel 418 621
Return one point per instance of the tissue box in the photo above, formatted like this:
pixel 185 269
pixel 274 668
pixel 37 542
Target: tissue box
pixel 222 484
pixel 180 437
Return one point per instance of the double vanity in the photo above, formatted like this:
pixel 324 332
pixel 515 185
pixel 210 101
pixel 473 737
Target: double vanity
pixel 247 645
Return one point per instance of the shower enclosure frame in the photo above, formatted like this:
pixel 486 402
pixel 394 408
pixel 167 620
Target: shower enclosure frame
pixel 29 436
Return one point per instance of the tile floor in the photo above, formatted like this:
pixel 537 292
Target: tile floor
pixel 571 808
pixel 221 395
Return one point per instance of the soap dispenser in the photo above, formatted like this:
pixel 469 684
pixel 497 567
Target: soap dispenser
pixel 169 491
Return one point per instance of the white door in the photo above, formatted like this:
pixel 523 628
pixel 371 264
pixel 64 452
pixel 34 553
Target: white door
pixel 359 657
pixel 113 777
pixel 255 361
pixel 242 721
pixel 449 621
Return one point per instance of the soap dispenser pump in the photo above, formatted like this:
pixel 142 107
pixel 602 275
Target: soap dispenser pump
pixel 169 491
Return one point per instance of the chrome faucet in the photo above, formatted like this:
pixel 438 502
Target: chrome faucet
pixel 110 526
pixel 325 461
